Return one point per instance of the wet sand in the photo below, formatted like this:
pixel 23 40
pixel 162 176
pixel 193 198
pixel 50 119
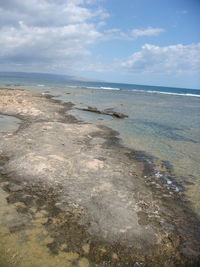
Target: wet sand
pixel 72 195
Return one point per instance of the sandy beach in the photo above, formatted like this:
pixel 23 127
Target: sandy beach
pixel 73 195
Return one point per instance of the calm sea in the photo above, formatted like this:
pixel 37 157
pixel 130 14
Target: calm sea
pixel 163 122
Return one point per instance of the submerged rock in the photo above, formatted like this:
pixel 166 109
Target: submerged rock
pixel 105 112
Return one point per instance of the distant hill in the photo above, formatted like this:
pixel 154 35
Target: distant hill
pixel 44 76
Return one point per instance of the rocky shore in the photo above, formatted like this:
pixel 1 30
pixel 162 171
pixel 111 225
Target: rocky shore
pixel 72 195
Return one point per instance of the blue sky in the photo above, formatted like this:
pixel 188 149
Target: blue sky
pixel 150 42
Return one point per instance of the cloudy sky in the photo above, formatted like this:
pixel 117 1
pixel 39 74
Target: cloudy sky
pixel 134 41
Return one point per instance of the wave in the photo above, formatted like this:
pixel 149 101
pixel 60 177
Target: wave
pixel 134 90
pixel 73 86
pixel 143 91
pixel 164 93
pixel 110 88
pixel 103 88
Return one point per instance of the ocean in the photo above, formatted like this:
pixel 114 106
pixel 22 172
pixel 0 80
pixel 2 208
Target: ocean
pixel 163 123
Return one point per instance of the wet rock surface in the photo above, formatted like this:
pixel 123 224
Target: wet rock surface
pixel 108 112
pixel 86 199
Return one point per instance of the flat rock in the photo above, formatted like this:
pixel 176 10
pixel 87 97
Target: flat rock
pixel 100 185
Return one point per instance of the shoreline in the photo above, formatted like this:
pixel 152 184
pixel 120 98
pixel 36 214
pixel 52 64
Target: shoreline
pixel 163 221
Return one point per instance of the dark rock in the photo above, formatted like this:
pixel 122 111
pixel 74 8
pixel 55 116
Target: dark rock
pixel 15 188
pixel 16 228
pixel 108 112
pixel 119 115
pixel 19 197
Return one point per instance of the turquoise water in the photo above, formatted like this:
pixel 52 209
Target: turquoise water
pixel 163 122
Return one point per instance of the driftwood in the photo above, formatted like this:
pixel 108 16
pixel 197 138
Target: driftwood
pixel 105 112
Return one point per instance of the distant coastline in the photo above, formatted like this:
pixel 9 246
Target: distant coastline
pixel 39 79
pixel 75 79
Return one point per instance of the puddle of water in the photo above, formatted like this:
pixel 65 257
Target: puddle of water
pixel 8 123
pixel 27 247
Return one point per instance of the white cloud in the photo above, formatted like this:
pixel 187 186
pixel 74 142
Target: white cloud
pixel 168 59
pixel 48 33
pixel 115 34
pixel 146 32
pixel 118 34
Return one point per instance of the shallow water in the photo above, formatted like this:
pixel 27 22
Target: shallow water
pixel 24 239
pixel 166 127
pixel 8 123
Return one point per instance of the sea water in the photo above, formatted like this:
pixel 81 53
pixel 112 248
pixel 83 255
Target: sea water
pixel 162 122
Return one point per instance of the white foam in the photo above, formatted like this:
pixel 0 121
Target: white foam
pixel 158 174
pixel 135 90
pixel 168 183
pixel 110 88
pixel 103 88
pixel 164 93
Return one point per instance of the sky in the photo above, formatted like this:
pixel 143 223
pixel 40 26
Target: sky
pixel 151 42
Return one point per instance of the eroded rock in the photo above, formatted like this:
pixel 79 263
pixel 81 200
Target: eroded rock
pixel 105 112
